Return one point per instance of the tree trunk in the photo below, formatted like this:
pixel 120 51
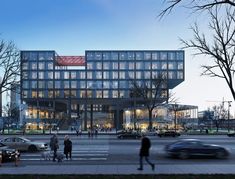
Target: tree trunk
pixel 150 120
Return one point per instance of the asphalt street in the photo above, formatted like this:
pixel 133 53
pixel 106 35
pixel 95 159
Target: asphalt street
pixel 107 149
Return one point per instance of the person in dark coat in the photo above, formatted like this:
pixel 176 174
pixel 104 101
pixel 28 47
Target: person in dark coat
pixel 54 145
pixel 144 152
pixel 67 147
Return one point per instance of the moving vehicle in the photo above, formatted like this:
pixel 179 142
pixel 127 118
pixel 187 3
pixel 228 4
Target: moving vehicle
pixel 168 134
pixel 129 135
pixel 192 147
pixel 23 144
pixel 8 154
pixel 232 134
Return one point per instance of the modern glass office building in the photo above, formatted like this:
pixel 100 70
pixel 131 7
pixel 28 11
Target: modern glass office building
pixel 93 89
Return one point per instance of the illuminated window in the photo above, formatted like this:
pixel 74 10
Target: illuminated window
pixel 89 93
pixel 105 94
pixel 50 94
pixel 73 93
pixel 98 94
pixel 83 94
pixel 115 94
pixel 57 93
pixel 41 94
pixel 34 94
pixel 66 93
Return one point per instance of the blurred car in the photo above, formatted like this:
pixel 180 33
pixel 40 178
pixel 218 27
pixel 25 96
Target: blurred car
pixel 232 134
pixel 192 147
pixel 23 144
pixel 8 154
pixel 129 135
pixel 168 134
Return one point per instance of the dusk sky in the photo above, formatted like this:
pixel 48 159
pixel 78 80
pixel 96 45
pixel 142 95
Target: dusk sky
pixel 72 26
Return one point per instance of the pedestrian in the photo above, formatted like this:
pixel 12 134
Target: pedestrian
pixel 67 147
pixel 144 152
pixel 54 145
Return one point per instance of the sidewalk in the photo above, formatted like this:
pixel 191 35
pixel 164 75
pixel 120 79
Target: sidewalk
pixel 116 169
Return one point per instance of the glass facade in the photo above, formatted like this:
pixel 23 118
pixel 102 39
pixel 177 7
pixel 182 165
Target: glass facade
pixel 106 75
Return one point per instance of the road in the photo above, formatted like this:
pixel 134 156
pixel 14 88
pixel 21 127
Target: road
pixel 107 149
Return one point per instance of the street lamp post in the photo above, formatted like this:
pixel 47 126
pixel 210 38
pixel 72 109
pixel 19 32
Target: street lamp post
pixel 229 105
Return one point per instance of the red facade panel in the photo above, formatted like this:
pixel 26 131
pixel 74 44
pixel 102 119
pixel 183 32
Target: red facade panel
pixel 71 60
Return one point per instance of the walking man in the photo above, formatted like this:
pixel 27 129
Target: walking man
pixel 67 147
pixel 54 145
pixel 144 152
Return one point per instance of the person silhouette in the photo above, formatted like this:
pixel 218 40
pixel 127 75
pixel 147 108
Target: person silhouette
pixel 144 152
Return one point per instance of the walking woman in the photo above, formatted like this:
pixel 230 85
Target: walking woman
pixel 67 147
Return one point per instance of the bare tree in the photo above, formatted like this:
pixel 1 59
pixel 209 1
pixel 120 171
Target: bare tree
pixel 151 93
pixel 220 113
pixel 9 65
pixel 220 46
pixel 195 5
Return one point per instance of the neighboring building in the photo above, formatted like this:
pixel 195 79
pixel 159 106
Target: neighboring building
pixel 15 103
pixel 91 90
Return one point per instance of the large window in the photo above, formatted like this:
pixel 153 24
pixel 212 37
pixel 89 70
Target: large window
pixel 57 84
pixel 41 66
pixel 73 75
pixel 34 85
pixel 73 84
pixel 57 75
pixel 41 75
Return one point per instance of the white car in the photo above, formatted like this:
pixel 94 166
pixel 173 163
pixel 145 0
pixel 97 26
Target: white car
pixel 23 144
